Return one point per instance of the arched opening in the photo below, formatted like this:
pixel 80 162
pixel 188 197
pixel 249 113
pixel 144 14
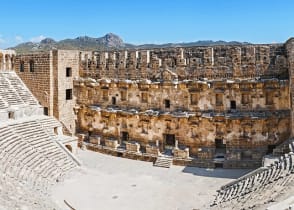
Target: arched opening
pixel 32 66
pixel 68 147
pixel 7 62
pixel 1 61
pixel 21 66
pixel 12 61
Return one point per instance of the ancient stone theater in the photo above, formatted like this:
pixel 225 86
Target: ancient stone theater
pixel 217 106
pixel 226 106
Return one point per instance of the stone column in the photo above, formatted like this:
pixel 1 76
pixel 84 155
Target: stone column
pixel 177 144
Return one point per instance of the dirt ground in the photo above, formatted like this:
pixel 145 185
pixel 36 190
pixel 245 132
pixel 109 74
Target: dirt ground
pixel 106 182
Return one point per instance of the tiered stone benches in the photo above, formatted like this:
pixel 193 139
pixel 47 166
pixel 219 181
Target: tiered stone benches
pixel 20 88
pixel 252 184
pixel 13 91
pixel 52 126
pixel 31 159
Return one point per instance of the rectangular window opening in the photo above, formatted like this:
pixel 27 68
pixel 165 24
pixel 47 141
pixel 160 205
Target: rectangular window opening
pixel 68 94
pixel 167 103
pixel 113 100
pixel 233 105
pixel 32 66
pixel 46 112
pixel 21 66
pixel 68 72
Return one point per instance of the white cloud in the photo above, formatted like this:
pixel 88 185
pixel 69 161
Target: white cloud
pixel 18 39
pixel 37 38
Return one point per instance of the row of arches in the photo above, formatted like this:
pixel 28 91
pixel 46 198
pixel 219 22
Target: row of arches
pixel 7 59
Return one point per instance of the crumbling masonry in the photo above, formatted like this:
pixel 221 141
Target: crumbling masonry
pixel 207 106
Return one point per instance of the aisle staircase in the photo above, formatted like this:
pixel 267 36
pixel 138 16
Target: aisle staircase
pixel 284 148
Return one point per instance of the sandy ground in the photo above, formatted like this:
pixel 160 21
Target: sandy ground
pixel 106 182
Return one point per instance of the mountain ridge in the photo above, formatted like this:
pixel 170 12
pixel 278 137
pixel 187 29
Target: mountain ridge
pixel 109 41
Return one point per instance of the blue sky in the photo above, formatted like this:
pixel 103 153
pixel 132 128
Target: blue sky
pixel 151 21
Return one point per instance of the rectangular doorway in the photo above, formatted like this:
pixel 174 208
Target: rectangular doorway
pixel 233 105
pixel 170 140
pixel 270 148
pixel 113 100
pixel 220 147
pixel 124 136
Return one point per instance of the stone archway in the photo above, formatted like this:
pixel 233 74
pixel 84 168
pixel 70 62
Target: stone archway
pixel 12 61
pixel 1 61
pixel 7 62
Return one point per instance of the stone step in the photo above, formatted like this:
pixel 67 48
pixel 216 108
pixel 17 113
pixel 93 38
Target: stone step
pixel 163 162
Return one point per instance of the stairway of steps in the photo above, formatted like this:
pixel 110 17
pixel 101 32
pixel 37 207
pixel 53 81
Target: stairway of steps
pixel 285 147
pixel 163 161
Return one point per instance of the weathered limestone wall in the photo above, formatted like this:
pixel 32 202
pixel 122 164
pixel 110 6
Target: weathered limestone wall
pixel 251 133
pixel 64 108
pixel 39 79
pixel 232 100
pixel 45 74
pixel 246 61
pixel 267 94
pixel 260 119
pixel 290 53
pixel 222 101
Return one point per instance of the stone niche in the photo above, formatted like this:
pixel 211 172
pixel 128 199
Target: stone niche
pixel 132 146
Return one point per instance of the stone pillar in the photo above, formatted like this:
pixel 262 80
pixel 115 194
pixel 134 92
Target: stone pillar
pixel 236 60
pixel 177 144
